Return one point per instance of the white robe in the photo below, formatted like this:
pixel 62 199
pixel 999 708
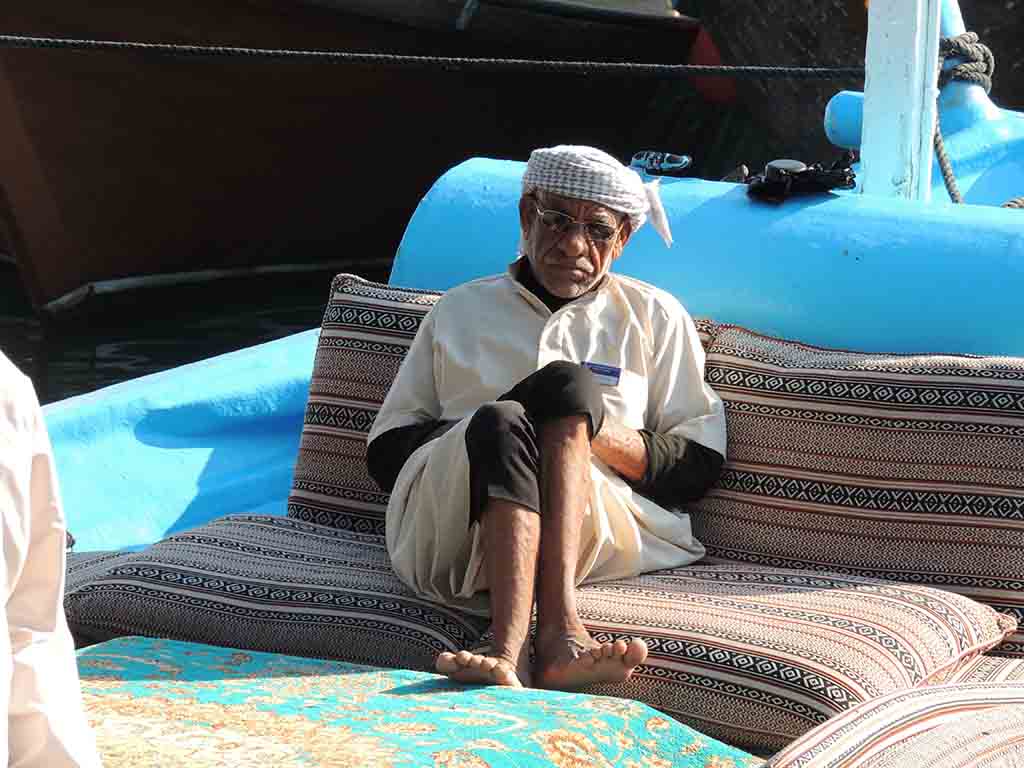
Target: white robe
pixel 479 340
pixel 44 724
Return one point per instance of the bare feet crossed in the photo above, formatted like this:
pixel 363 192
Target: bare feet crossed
pixel 468 667
pixel 565 661
pixel 571 660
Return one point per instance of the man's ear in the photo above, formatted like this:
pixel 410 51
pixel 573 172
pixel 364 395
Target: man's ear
pixel 624 234
pixel 525 214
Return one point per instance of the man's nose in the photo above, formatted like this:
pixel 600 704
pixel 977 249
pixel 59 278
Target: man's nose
pixel 574 241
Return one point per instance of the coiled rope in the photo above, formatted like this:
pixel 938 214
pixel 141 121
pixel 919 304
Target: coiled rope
pixel 976 67
pixel 977 63
pixel 446 63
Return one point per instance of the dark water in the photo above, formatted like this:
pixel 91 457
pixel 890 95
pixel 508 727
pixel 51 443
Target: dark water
pixel 132 335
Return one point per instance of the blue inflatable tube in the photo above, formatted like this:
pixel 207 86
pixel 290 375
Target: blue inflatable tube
pixel 144 459
pixel 840 270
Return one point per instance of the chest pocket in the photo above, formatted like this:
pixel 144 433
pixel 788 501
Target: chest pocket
pixel 626 401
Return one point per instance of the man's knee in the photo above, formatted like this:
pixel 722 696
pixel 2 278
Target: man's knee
pixel 498 431
pixel 565 389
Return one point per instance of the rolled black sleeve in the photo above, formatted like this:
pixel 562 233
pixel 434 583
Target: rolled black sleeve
pixel 678 470
pixel 388 452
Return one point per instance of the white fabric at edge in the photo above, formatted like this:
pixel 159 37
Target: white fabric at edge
pixel 44 725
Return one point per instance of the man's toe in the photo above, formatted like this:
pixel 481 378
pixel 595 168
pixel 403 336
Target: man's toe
pixel 635 653
pixel 504 675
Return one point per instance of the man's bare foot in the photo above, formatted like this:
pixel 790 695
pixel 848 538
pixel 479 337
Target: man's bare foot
pixel 569 661
pixel 467 667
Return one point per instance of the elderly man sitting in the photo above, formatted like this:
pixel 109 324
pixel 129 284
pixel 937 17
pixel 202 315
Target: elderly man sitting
pixel 540 425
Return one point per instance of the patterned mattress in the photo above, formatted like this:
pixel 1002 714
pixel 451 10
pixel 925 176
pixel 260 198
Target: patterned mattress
pixel 166 703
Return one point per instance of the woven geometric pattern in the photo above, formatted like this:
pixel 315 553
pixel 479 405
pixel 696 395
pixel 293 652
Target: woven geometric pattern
pixel 756 656
pixel 946 726
pixel 749 655
pixel 366 332
pixel 83 566
pixel 705 331
pixel 991 669
pixel 901 467
pixel 273 584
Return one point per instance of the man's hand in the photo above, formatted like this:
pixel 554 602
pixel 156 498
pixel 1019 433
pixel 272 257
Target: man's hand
pixel 622 449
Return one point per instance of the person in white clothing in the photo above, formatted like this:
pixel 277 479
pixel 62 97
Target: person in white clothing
pixel 544 429
pixel 44 725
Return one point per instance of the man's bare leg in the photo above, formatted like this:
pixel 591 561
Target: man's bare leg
pixel 511 543
pixel 567 656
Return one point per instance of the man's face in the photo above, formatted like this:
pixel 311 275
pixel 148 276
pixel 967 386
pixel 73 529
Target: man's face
pixel 569 259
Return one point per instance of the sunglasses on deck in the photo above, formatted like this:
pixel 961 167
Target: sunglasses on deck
pixel 562 223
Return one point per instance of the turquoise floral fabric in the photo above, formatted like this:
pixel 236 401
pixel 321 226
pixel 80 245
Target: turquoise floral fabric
pixel 166 703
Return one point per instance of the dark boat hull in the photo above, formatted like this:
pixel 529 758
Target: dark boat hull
pixel 118 165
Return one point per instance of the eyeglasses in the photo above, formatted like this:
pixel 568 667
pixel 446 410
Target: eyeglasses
pixel 562 223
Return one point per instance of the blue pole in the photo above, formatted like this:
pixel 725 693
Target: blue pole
pixel 951 23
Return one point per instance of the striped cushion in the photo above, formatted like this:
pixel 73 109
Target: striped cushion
pixel 270 583
pixel 991 669
pixel 756 656
pixel 900 467
pixel 750 655
pixel 83 566
pixel 366 331
pixel 992 737
pixel 706 329
pixel 949 726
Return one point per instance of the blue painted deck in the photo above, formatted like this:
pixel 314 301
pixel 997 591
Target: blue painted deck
pixel 163 453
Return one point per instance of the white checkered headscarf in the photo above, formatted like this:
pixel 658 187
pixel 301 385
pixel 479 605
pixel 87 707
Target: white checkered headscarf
pixel 586 173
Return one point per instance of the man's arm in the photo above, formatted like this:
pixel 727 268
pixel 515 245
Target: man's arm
pixel 667 468
pixel 387 453
pixel 623 449
pixel 680 454
pixel 409 414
